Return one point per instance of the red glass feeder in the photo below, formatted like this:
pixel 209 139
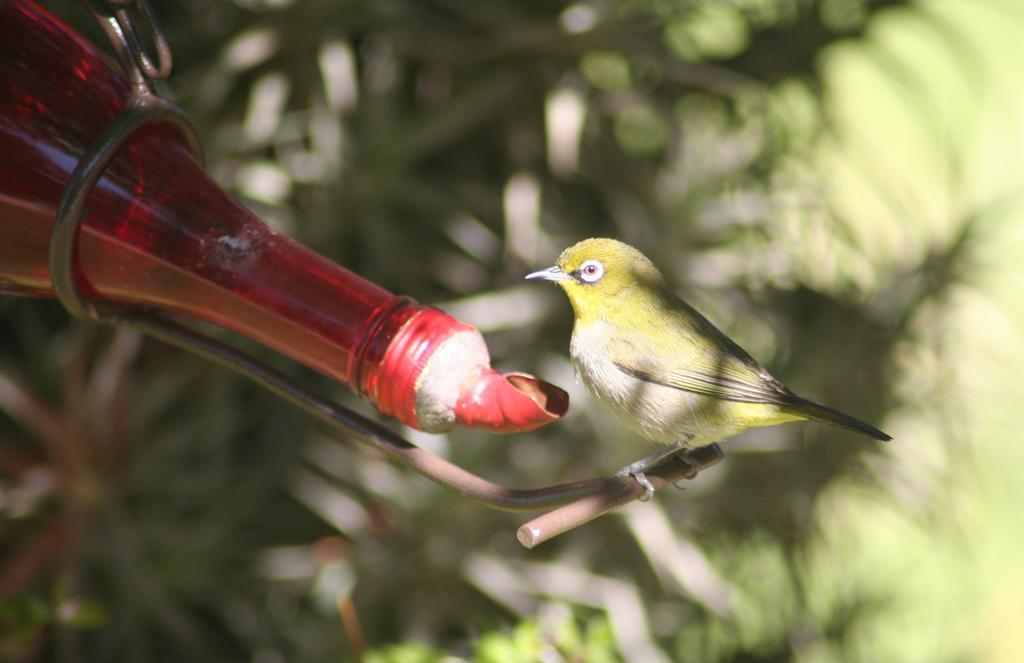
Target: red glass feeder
pixel 157 231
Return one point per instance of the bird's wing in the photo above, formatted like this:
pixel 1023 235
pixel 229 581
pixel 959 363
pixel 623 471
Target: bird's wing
pixel 698 358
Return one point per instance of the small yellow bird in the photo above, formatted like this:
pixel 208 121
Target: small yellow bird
pixel 660 366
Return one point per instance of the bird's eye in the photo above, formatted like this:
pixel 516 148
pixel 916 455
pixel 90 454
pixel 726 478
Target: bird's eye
pixel 591 271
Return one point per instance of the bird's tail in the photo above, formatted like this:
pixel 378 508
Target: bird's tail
pixel 802 407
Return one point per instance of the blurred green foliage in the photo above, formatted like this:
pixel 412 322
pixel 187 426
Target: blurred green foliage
pixel 832 181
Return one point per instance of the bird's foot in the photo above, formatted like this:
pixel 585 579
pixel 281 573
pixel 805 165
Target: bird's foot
pixel 695 465
pixel 682 455
pixel 636 470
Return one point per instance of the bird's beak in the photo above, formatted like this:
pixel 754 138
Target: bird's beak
pixel 549 274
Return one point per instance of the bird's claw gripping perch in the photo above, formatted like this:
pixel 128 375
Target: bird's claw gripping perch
pixel 636 470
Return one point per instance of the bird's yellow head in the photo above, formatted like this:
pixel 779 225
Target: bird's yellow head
pixel 601 275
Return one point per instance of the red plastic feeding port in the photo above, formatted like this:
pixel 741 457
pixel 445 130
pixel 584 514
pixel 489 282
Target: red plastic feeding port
pixel 414 382
pixel 157 231
pixel 509 403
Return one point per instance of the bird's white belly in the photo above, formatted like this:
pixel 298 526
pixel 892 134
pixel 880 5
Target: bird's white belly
pixel 662 414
